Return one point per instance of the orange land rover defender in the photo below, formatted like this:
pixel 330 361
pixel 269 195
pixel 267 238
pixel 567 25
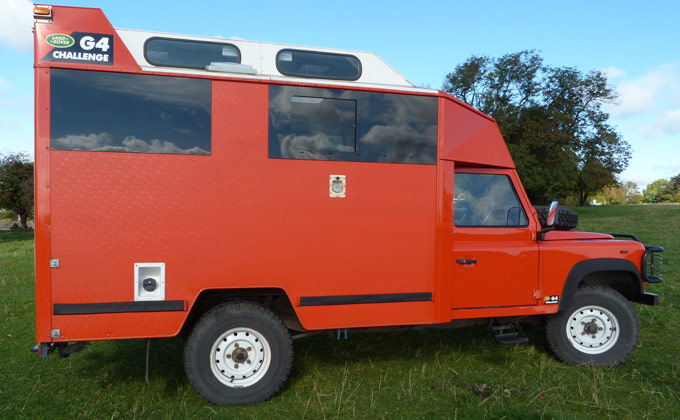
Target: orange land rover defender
pixel 244 192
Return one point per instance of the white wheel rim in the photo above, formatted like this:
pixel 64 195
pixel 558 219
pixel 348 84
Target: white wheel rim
pixel 240 357
pixel 592 329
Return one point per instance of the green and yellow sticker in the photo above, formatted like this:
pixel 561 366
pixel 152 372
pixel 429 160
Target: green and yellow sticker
pixel 60 40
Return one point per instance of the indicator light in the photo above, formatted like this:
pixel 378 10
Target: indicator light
pixel 42 10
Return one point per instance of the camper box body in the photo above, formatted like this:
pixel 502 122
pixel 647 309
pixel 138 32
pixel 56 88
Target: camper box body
pixel 237 219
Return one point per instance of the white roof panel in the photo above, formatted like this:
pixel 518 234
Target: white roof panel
pixel 261 56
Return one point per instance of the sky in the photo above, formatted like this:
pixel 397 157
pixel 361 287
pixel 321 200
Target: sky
pixel 637 44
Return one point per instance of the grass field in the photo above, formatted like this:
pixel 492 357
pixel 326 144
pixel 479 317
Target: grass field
pixel 429 374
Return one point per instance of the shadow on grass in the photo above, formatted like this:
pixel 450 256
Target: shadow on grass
pixel 408 346
pixel 123 361
pixel 16 236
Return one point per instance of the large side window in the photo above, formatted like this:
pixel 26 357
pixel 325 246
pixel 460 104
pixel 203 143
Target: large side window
pixel 120 112
pixel 486 200
pixel 330 124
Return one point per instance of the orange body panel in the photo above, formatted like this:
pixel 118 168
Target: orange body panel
pixel 472 138
pixel 238 219
pixel 558 257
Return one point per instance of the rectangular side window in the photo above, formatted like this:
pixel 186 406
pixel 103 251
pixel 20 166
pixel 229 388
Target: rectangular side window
pixel 120 112
pixel 347 125
pixel 486 200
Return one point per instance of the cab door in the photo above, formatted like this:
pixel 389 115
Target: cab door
pixel 494 248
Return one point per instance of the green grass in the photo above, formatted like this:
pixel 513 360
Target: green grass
pixel 430 374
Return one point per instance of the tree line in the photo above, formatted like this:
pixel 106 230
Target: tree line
pixel 659 191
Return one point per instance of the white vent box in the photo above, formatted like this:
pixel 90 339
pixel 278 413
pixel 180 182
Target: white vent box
pixel 149 281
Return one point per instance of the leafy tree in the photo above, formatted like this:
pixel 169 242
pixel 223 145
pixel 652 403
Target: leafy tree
pixel 633 195
pixel 16 185
pixel 551 120
pixel 592 177
pixel 626 193
pixel 675 188
pixel 658 192
pixel 610 194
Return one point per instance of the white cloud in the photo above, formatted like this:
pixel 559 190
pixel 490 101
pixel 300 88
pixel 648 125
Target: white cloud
pixel 667 123
pixel 5 99
pixel 9 123
pixel 613 72
pixel 82 142
pixel 13 100
pixel 104 142
pixel 642 94
pixel 16 21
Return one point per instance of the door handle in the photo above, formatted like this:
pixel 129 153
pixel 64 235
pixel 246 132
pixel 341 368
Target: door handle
pixel 466 262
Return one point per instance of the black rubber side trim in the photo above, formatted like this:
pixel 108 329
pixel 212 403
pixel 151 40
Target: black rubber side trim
pixel 358 299
pixel 583 268
pixel 117 307
pixel 491 307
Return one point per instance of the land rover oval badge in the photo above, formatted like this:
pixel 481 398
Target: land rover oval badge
pixel 60 40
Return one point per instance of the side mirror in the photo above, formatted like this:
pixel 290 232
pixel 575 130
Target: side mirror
pixel 552 213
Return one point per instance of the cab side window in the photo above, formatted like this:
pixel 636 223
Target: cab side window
pixel 486 200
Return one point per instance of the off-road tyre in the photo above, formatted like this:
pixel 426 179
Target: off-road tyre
pixel 594 307
pixel 245 331
pixel 566 219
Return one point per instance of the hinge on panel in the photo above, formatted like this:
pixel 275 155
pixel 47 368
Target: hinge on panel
pixel 54 263
pixel 538 293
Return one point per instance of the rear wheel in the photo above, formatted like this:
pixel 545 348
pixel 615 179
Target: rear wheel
pixel 238 353
pixel 599 327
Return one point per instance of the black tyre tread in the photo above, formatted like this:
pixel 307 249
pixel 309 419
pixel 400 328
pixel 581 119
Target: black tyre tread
pixel 554 328
pixel 227 311
pixel 567 219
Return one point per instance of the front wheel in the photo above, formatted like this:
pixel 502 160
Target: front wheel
pixel 238 353
pixel 598 328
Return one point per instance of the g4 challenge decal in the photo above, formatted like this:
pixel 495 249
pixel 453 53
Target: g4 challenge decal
pixel 80 47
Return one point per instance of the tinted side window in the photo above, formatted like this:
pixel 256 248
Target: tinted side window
pixel 318 64
pixel 330 124
pixel 119 112
pixel 189 54
pixel 486 200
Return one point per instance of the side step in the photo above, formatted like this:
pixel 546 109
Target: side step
pixel 510 333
